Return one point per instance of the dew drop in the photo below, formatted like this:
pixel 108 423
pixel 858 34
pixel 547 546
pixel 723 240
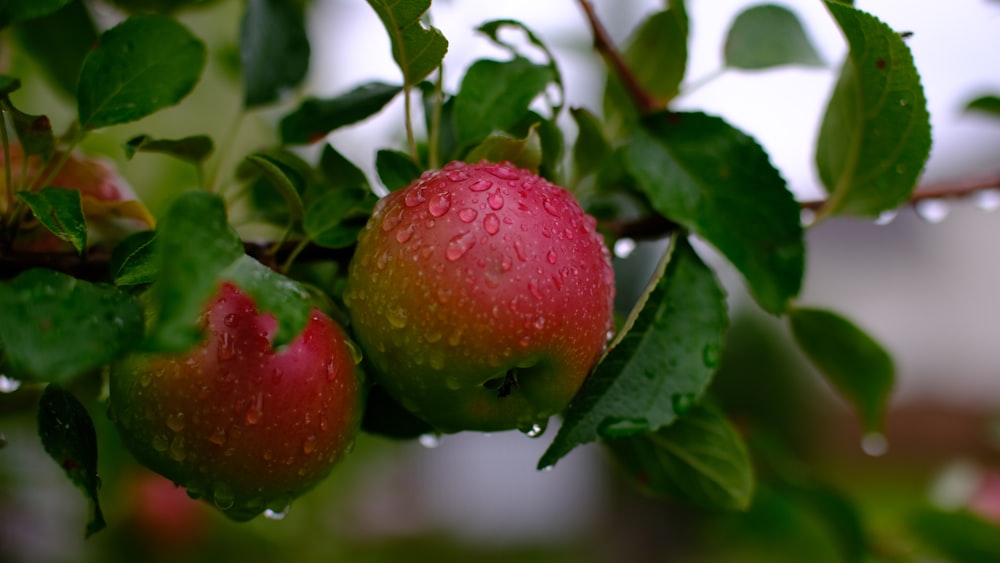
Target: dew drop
pixel 495 200
pixel 807 217
pixel 404 235
pixel 309 445
pixel 492 224
pixel 551 257
pixel 624 247
pixel 539 323
pixel 430 441
pixel 480 185
pixel 414 197
pixel 396 317
pixel 177 451
pixel 436 360
pixel 231 320
pixel 439 204
pixel 568 233
pixel 987 200
pixel 160 443
pixel 459 245
pixel 255 410
pixel 175 421
pixel 9 384
pixel 536 430
pixel 519 250
pixel 218 437
pixel 432 337
pixel 391 221
pixel 533 289
pixel 550 207
pixel 932 210
pixel 456 175
pixel 503 172
pixel 279 514
pixel 223 497
pixel 227 347
pixel 886 217
pixel 467 214
pixel 506 263
pixel 548 468
pixel 874 444
pixel 277 375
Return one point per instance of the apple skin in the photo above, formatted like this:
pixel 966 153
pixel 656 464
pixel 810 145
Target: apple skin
pixel 236 422
pixel 482 295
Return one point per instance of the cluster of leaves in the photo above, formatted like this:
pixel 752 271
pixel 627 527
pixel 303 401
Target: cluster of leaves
pixel 636 161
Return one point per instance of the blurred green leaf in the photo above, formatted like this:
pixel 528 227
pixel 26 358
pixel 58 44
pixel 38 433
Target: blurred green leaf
pixel 660 363
pixel 60 210
pixel 657 52
pixel 699 458
pixel 140 66
pixel 768 35
pixel 274 293
pixel 338 172
pixel 986 104
pixel 395 169
pixel 876 134
pixel 193 149
pixel 325 221
pixel 960 536
pixel 34 131
pixel 714 180
pixel 285 180
pixel 9 84
pixel 525 153
pixel 416 48
pixel 194 244
pixel 492 29
pixel 69 437
pixel 133 261
pixel 55 327
pixel 591 146
pixel 855 364
pixel 315 118
pixel 59 42
pixel 274 49
pixel 12 11
pixel 495 95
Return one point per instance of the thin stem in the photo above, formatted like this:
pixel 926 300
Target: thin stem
pixel 434 135
pixel 7 196
pixel 949 189
pixel 645 102
pixel 226 151
pixel 411 141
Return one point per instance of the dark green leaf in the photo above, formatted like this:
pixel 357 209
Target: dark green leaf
pixel 61 211
pixel 660 363
pixel 274 49
pixel 274 293
pixel 140 66
pixel 316 118
pixel 876 135
pixel 194 244
pixel 960 536
pixel 395 169
pixel 8 84
pixel 525 153
pixel 12 11
pixel 338 172
pixel 986 104
pixel 494 97
pixel 657 53
pixel 325 218
pixel 284 179
pixel 59 42
pixel 591 146
pixel 34 132
pixel 133 261
pixel 553 150
pixel 193 149
pixel 69 437
pixel 56 327
pixel 699 458
pixel 855 364
pixel 492 30
pixel 416 48
pixel 716 181
pixel 768 35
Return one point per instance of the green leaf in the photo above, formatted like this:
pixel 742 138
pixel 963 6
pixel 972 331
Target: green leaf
pixel 12 11
pixel 591 147
pixel 315 118
pixel 714 180
pixel 284 179
pixel 56 327
pixel 133 261
pixel 986 104
pixel 768 35
pixel 274 49
pixel 525 153
pixel 194 244
pixel 9 84
pixel 61 211
pixel 492 29
pixel 660 363
pixel 34 132
pixel 876 134
pixel 325 221
pixel 193 149
pixel 416 48
pixel 699 458
pixel 69 437
pixel 395 169
pixel 495 95
pixel 338 172
pixel 274 293
pixel 59 42
pixel 140 66
pixel 657 53
pixel 855 364
pixel 960 536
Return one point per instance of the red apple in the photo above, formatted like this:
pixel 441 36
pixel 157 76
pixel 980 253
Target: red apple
pixel 235 421
pixel 482 295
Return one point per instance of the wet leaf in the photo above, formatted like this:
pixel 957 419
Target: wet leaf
pixel 68 435
pixel 133 261
pixel 326 217
pixel 395 169
pixel 60 210
pixel 59 41
pixel 659 364
pixel 417 49
pixel 285 180
pixel 274 49
pixel 315 118
pixel 768 35
pixel 34 132
pixel 12 11
pixel 193 149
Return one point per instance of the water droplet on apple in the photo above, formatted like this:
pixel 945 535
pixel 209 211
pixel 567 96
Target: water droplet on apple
pixel 468 215
pixel 309 445
pixel 177 451
pixel 436 360
pixel 439 204
pixel 392 220
pixel 491 223
pixel 218 437
pixel 459 245
pixel 480 185
pixel 495 200
pixel 195 489
pixel 404 235
pixel 160 443
pixel 414 197
pixel 550 207
pixel 227 347
pixel 874 444
pixel 354 351
pixel 504 172
pixel 231 320
pixel 533 289
pixel 430 441
pixel 624 247
pixel 9 384
pixel 222 496
pixel 255 410
pixel 551 257
pixel 277 375
pixel 175 421
pixel 396 317
pixel 332 370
